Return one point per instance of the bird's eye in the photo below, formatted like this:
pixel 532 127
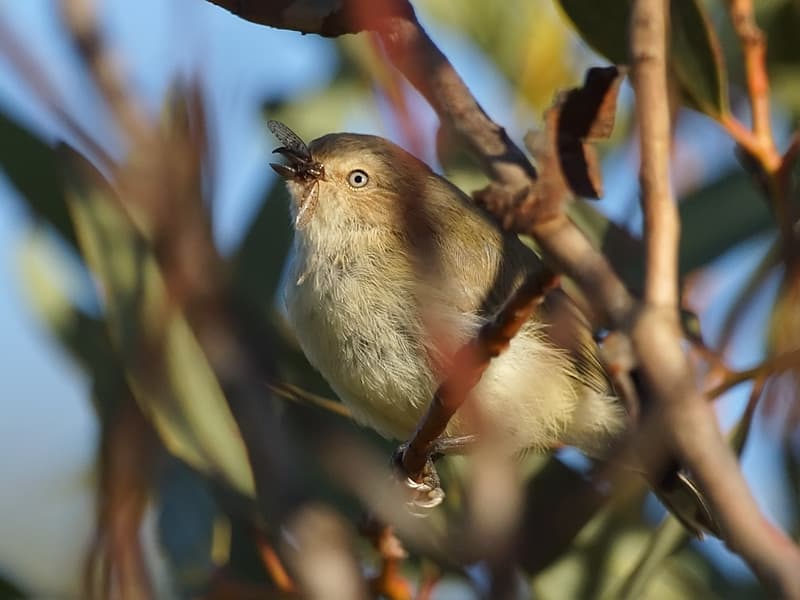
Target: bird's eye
pixel 357 178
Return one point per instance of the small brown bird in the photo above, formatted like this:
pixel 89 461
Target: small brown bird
pixel 361 302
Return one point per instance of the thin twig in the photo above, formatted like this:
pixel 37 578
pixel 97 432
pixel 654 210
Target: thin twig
pixel 297 394
pixel 388 582
pixel 81 19
pixel 769 367
pixel 274 565
pixel 469 364
pixel 754 49
pixel 30 71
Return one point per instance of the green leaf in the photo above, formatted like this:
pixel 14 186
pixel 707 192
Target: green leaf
pixel 697 59
pixel 623 250
pixel 718 216
pixel 8 591
pixel 33 169
pixel 165 366
pixel 714 219
pixel 606 30
pixel 83 336
pixel 695 51
pixel 664 541
pixel 257 268
pixel 259 260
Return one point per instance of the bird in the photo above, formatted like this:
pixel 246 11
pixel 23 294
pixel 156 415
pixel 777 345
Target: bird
pixel 393 266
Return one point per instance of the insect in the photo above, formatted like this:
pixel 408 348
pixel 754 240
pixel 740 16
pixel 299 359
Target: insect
pixel 303 169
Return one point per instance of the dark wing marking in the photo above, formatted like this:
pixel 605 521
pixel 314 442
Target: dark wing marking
pixel 290 140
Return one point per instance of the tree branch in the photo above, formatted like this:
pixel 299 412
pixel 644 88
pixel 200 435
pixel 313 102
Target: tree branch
pixel 468 365
pixel 754 49
pixel 691 425
pixel 661 223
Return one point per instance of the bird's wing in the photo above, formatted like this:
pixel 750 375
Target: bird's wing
pixel 481 266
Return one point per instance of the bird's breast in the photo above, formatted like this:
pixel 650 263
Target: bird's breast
pixel 356 318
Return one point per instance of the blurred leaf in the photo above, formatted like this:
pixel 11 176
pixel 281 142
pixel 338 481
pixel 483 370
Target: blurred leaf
pixel 784 325
pixel 731 203
pixel 559 504
pixel 606 30
pixel 718 216
pixel 664 541
pixel 697 58
pixel 85 337
pixel 8 591
pixel 259 261
pixel 258 268
pixel 166 368
pixel 695 52
pixel 187 510
pixel 32 167
pixel 744 298
pixel 624 251
pixel 780 20
pixel 525 39
pixel 322 111
pixel 785 85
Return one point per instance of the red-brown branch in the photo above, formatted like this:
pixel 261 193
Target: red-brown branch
pixel 388 582
pixel 274 565
pixel 469 364
pixel 754 49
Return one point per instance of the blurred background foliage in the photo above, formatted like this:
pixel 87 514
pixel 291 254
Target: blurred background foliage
pixel 119 258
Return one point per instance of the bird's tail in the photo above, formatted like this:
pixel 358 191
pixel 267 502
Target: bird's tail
pixel 679 494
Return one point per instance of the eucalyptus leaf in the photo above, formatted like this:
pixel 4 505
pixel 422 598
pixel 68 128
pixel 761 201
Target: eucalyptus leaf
pixel 664 541
pixel 714 218
pixel 165 366
pixel 258 263
pixel 33 168
pixel 83 336
pixel 695 52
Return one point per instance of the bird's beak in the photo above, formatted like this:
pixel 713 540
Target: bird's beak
pixel 300 166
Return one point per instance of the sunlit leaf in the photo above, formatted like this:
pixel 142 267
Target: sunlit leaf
pixel 525 39
pixel 664 541
pixel 165 365
pixel 84 336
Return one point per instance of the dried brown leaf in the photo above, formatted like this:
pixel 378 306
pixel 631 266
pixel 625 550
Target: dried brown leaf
pixel 578 116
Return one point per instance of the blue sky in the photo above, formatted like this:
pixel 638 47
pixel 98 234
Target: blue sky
pixel 46 424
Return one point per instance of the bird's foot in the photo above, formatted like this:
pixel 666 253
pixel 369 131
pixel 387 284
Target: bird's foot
pixel 425 492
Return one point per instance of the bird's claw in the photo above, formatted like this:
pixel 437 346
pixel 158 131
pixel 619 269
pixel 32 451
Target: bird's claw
pixel 424 494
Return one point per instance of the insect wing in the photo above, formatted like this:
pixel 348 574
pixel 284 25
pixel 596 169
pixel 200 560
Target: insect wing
pixel 290 140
